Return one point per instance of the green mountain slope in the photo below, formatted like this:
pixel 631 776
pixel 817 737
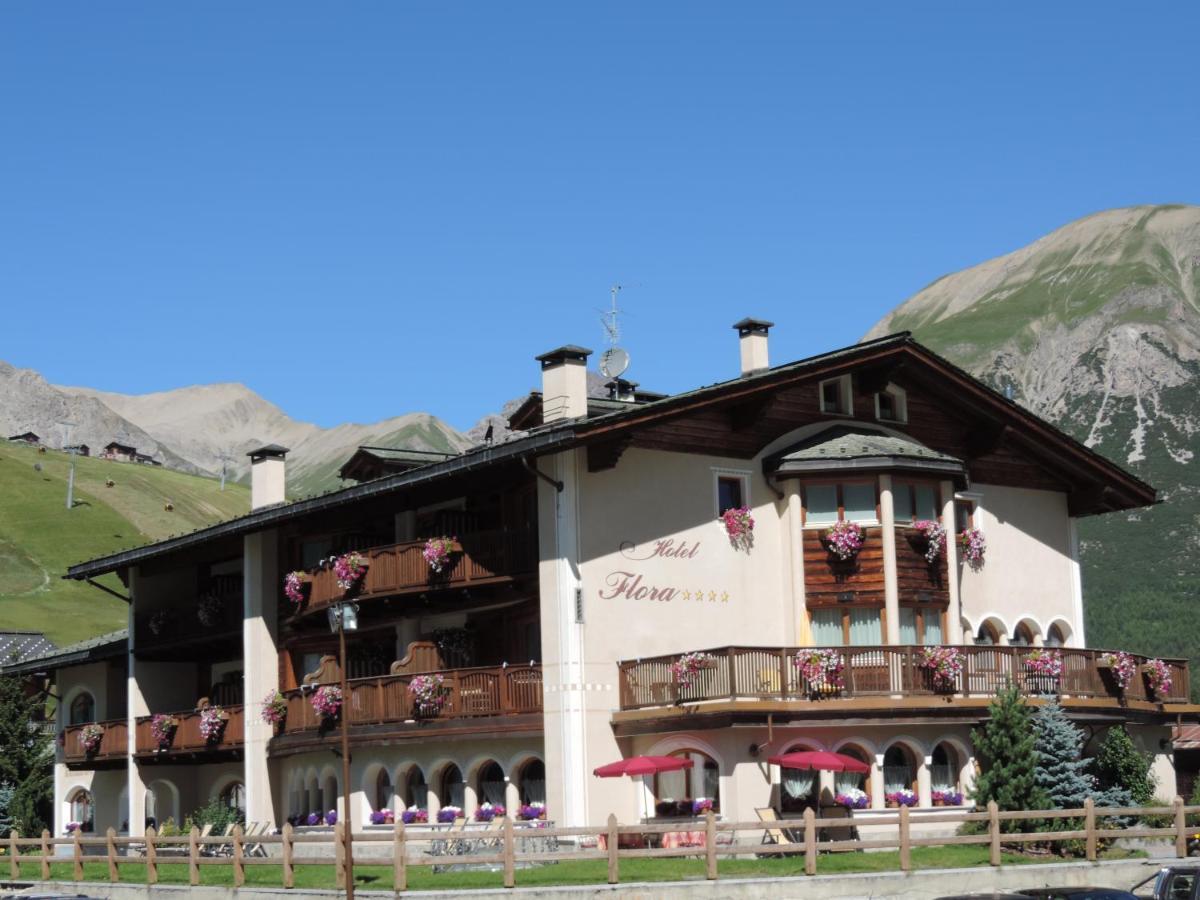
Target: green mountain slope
pixel 1097 328
pixel 40 537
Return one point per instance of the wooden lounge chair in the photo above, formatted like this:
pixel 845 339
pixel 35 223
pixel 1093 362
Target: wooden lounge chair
pixel 773 835
pixel 221 849
pixel 257 829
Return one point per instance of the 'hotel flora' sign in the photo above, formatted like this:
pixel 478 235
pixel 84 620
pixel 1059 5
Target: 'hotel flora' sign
pixel 630 584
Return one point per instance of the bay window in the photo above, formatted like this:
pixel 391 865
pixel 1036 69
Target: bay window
pixel 920 625
pixel 849 501
pixel 847 626
pixel 913 501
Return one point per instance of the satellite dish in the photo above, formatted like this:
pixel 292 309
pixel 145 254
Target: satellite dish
pixel 613 362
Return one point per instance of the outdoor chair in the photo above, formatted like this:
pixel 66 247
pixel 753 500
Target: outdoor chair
pixel 773 835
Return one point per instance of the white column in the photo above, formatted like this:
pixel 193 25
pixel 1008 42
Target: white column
pixel 876 783
pixel 512 797
pixel 801 628
pixel 1077 638
pixel 136 706
pixel 924 786
pixel 470 801
pixel 891 578
pixel 954 609
pixel 260 655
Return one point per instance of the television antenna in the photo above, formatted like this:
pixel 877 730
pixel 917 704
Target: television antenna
pixel 72 450
pixel 613 361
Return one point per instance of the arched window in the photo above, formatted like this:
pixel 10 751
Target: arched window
pixel 1054 637
pixel 987 636
pixel 233 796
pixel 944 772
pixel 490 784
pixel 451 790
pixel 82 809
pixel 1022 636
pixel 312 797
pixel 899 769
pixel 329 793
pixel 798 788
pixel 532 782
pixel 676 792
pixel 83 709
pixel 416 792
pixel 843 781
pixel 383 791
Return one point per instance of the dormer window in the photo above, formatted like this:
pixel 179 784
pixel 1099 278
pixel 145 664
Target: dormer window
pixel 835 396
pixel 891 405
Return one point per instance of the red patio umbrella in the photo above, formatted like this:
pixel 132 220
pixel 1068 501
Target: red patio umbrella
pixel 821 761
pixel 643 765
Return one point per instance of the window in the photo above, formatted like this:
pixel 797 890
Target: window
pixel 891 405
pixel 987 636
pixel 82 810
pixel 234 796
pixel 533 782
pixel 913 501
pixel 383 790
pixel 943 773
pixel 899 769
pixel 964 515
pixel 731 492
pixel 842 626
pixel 798 788
pixel 853 501
pixel 844 781
pixel 1054 637
pixel 1022 636
pixel 491 784
pixel 83 709
pixel 835 396
pixel 451 789
pixel 920 625
pixel 416 792
pixel 675 792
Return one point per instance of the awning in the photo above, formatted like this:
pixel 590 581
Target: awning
pixel 643 765
pixel 821 761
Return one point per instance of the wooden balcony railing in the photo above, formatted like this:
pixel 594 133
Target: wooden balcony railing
pixel 188 739
pixel 114 743
pixel 771 673
pixel 468 693
pixel 486 556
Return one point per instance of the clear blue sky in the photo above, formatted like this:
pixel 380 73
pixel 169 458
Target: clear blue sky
pixel 366 209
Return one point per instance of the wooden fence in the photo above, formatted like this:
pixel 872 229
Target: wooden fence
pixel 501 846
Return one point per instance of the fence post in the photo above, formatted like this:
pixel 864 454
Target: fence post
pixel 14 855
pixel 339 853
pixel 239 870
pixel 614 863
pixel 905 847
pixel 810 842
pixel 710 846
pixel 510 875
pixel 1180 829
pixel 289 869
pixel 1089 826
pixel 399 859
pixel 111 846
pixel 45 855
pixel 77 849
pixel 194 856
pixel 151 857
pixel 994 832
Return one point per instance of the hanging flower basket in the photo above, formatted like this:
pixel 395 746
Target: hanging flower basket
pixel 437 552
pixel 1158 677
pixel 1043 671
pixel 327 702
pixel 933 535
pixel 1121 668
pixel 853 798
pixel 428 695
pixel 296 586
pixel 90 737
pixel 844 540
pixel 685 669
pixel 212 723
pixel 822 670
pixel 944 665
pixel 348 570
pixel 739 526
pixel 531 811
pixel 162 729
pixel 971 547
pixel 274 709
pixel 210 609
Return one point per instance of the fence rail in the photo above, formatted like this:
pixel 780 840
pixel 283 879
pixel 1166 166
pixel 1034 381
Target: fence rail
pixel 503 845
pixel 771 673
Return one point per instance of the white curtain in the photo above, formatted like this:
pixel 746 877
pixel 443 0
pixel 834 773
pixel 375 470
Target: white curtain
pixel 797 783
pixel 865 627
pixel 535 789
pixel 933 627
pixel 845 781
pixel 942 777
pixel 827 627
pixel 897 778
pixel 908 625
pixel 493 792
pixel 671 785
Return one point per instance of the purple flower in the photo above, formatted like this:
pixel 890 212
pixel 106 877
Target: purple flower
pixel 409 816
pixel 313 819
pixel 448 813
pixel 331 817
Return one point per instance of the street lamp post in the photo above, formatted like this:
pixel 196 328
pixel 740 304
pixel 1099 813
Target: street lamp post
pixel 343 617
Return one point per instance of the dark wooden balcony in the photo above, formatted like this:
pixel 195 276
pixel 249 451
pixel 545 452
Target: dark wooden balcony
pixel 889 674
pixel 188 742
pixel 112 752
pixel 485 557
pixel 486 699
pixel 191 627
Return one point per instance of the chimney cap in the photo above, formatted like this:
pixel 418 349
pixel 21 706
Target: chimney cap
pixel 566 353
pixel 268 451
pixel 752 326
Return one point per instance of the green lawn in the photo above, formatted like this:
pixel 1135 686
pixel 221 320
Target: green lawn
pixel 590 872
pixel 40 537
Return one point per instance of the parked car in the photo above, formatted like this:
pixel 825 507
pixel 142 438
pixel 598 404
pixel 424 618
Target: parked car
pixel 1171 883
pixel 995 896
pixel 1078 893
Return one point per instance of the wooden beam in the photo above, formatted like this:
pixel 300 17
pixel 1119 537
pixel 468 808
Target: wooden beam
pixel 746 413
pixel 873 379
pixel 604 455
pixel 986 438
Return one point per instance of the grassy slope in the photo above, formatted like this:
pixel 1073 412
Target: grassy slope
pixel 40 537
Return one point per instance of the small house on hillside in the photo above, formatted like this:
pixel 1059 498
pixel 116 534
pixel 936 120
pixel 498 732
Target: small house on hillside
pixel 27 438
pixel 145 460
pixel 119 452
pixel 81 449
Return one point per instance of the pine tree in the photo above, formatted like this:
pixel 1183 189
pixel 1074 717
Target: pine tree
pixel 26 757
pixel 6 797
pixel 1060 772
pixel 1005 748
pixel 1119 765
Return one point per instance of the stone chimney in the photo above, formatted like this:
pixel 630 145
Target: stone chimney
pixel 564 383
pixel 268 484
pixel 752 337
